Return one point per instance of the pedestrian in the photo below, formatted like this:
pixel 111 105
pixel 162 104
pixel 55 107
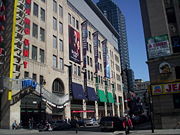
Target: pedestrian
pixel 74 124
pixel 127 124
pixel 14 125
pixel 30 123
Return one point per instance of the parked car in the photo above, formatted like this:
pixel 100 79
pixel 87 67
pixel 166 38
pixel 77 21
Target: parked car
pixel 90 122
pixel 111 123
pixel 60 125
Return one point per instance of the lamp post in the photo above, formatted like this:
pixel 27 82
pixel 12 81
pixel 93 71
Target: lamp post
pixel 151 109
pixel 42 83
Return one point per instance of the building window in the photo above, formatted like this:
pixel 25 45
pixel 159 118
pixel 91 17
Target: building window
pixel 69 18
pixel 89 75
pixel 54 61
pixel 26 74
pixel 42 34
pixel 41 54
pixel 73 19
pixel 34 52
pixel 54 6
pixel 75 69
pixel 99 55
pixel 118 77
pixel 177 70
pixel 99 44
pixel 60 11
pixel 77 24
pixel 41 80
pixel 100 67
pixel 88 60
pixel 89 34
pixel 61 64
pixel 92 76
pixel 35 9
pixel 60 28
pixel 54 23
pixel 60 45
pixel 34 77
pixel 176 98
pixel 42 15
pixel 54 42
pixel 79 71
pixel 91 62
pixel 58 87
pixel 90 48
pixel 43 1
pixel 35 30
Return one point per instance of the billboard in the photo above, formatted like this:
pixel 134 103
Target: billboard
pixel 158 46
pixel 95 43
pixel 84 42
pixel 74 45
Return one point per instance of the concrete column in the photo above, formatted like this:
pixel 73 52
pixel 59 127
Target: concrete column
pixel 96 109
pixel 67 111
pixel 105 106
pixel 118 109
pixel 15 112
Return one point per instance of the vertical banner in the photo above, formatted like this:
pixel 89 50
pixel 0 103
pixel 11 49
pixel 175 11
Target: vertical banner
pixel 104 46
pixel 74 45
pixel 95 42
pixel 84 42
pixel 20 43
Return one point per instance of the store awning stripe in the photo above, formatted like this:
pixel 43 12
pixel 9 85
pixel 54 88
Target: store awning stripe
pixel 91 94
pixel 110 97
pixel 77 91
pixel 102 96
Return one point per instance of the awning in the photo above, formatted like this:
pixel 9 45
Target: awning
pixel 77 91
pixel 102 96
pixel 110 97
pixel 91 94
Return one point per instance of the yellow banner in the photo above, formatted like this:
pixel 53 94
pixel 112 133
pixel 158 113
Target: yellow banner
pixel 168 88
pixel 10 95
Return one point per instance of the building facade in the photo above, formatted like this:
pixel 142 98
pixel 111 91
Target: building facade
pixel 162 32
pixel 67 50
pixel 113 13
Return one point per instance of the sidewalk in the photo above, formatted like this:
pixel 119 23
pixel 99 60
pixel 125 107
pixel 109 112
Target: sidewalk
pixel 149 132
pixel 17 131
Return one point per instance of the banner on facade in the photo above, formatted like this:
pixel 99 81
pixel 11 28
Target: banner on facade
pixel 74 45
pixel 84 42
pixel 158 46
pixel 95 43
pixel 168 88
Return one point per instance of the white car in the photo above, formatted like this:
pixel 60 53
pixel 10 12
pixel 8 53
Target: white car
pixel 90 122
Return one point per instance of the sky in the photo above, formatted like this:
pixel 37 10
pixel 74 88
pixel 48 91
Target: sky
pixel 135 37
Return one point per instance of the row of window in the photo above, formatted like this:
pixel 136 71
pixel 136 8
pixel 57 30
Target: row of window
pixel 55 8
pixel 36 11
pixel 55 43
pixel 55 26
pixel 56 63
pixel 34 77
pixel 35 32
pixel 73 21
pixel 34 54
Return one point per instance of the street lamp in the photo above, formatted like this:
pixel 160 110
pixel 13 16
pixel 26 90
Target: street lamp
pixel 42 83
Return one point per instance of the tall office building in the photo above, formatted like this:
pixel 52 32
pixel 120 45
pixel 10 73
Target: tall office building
pixel 113 13
pixel 161 21
pixel 56 60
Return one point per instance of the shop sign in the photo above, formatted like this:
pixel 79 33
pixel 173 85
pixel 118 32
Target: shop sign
pixel 158 46
pixel 166 88
pixel 28 83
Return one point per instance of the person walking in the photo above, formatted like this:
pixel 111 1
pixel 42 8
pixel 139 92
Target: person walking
pixel 14 125
pixel 127 124
pixel 74 124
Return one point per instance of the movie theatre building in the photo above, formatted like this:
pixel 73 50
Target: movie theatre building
pixel 61 60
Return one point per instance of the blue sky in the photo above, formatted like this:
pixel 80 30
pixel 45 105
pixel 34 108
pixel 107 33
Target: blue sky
pixel 135 35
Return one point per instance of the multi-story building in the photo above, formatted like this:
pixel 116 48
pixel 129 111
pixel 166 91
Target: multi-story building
pixel 71 50
pixel 161 23
pixel 113 13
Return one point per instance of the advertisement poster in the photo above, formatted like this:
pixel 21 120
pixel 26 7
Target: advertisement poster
pixel 84 42
pixel 95 42
pixel 74 45
pixel 158 46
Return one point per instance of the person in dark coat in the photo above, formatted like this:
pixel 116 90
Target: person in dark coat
pixel 74 124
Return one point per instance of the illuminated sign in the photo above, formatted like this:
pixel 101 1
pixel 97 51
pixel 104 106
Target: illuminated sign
pixel 22 29
pixel 29 83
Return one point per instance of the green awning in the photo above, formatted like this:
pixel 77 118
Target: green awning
pixel 110 97
pixel 102 96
